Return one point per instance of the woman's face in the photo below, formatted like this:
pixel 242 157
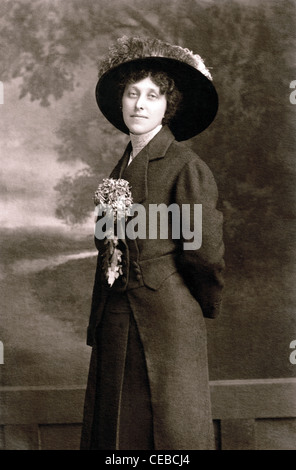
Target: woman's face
pixel 143 106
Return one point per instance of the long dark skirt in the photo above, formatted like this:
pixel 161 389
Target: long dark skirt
pixel 123 414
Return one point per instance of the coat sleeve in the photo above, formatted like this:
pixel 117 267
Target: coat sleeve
pixel 202 268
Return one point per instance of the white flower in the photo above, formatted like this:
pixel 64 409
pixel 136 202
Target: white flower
pixel 113 195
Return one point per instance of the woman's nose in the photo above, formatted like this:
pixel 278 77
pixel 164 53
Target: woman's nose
pixel 140 103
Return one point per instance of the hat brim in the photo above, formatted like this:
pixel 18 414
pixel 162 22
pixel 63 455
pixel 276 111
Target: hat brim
pixel 199 97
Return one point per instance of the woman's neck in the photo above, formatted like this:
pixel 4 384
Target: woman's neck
pixel 140 141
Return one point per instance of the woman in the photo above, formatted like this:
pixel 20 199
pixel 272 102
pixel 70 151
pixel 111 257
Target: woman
pixel 148 380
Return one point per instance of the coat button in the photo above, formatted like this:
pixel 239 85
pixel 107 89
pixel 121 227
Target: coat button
pixel 138 277
pixel 123 279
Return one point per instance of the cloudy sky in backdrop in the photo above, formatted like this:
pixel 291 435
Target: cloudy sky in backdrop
pixel 29 167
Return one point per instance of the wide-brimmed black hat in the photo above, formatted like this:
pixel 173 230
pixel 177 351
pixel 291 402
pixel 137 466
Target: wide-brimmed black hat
pixel 199 97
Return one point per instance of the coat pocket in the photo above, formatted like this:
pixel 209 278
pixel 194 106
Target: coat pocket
pixel 156 270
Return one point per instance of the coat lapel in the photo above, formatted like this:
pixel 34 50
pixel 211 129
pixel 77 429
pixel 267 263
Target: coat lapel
pixel 122 164
pixel 137 172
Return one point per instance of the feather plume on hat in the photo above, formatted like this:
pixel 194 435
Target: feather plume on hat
pixel 126 49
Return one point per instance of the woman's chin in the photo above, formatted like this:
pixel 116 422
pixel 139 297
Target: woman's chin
pixel 140 127
pixel 138 130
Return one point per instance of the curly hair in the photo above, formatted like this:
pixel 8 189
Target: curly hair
pixel 165 83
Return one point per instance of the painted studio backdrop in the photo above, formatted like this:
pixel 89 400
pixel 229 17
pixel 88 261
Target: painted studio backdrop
pixel 55 149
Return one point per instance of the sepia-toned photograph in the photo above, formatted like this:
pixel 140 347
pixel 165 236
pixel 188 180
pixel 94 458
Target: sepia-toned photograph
pixel 148 226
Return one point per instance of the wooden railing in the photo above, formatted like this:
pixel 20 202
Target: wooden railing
pixel 248 415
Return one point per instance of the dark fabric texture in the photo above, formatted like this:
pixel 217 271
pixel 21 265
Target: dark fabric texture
pixel 170 290
pixel 123 412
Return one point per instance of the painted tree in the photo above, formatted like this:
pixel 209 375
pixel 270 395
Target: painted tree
pixel 250 46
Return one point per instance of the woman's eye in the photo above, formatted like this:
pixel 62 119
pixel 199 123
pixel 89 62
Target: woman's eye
pixel 152 95
pixel 132 94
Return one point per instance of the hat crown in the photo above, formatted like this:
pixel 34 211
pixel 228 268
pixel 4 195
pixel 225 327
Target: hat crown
pixel 127 49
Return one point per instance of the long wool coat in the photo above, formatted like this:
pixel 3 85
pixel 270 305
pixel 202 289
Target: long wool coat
pixel 170 291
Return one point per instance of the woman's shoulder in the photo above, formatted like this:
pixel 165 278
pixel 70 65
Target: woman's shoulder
pixel 182 155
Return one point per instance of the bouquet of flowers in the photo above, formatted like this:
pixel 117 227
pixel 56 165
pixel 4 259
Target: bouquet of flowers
pixel 113 196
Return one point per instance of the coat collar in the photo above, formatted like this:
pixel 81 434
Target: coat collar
pixel 136 173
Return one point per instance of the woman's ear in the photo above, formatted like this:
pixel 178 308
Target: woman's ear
pixel 164 119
